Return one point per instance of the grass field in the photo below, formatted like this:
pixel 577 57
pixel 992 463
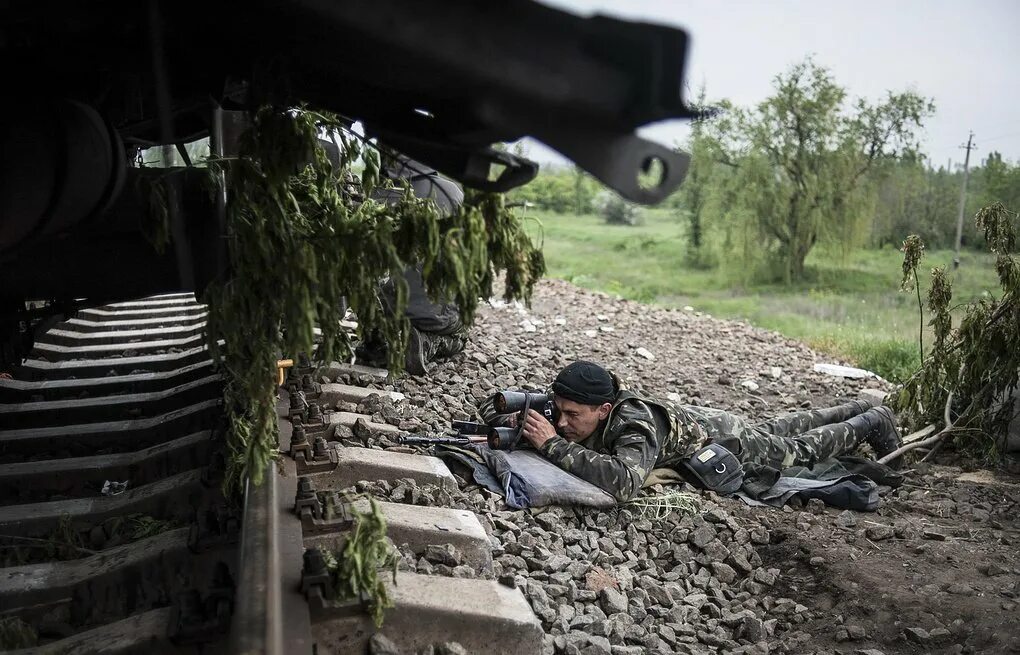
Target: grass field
pixel 851 307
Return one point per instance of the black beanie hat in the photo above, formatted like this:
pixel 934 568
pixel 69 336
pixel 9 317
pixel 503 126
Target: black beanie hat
pixel 586 383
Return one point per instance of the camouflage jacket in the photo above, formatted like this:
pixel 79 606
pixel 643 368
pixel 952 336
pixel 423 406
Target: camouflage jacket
pixel 640 434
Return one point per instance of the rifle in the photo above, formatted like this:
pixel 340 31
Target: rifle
pixel 459 440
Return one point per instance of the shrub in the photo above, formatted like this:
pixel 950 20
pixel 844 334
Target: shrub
pixel 618 211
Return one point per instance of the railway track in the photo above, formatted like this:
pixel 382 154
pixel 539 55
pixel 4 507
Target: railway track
pixel 115 536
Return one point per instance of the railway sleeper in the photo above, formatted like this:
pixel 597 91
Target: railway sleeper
pixel 65 334
pixel 356 464
pixel 482 615
pixel 57 353
pixel 88 439
pixel 92 324
pixel 140 633
pixel 104 408
pixel 41 369
pixel 113 315
pixel 21 391
pixel 163 301
pixel 331 393
pixel 75 477
pixel 114 583
pixel 176 498
pixel 417 527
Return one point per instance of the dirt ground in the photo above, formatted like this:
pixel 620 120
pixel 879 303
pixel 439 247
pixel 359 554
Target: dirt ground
pixel 933 571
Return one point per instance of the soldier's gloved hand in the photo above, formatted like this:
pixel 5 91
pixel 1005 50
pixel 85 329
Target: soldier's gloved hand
pixel 537 430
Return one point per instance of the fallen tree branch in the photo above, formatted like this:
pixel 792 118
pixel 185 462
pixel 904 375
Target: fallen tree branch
pixel 920 434
pixel 929 442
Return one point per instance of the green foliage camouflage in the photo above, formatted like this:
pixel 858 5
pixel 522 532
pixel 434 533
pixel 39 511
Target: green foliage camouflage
pixel 354 571
pixel 970 371
pixel 303 232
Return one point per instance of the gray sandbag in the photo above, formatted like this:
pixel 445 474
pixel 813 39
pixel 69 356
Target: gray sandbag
pixel 526 479
pixel 530 480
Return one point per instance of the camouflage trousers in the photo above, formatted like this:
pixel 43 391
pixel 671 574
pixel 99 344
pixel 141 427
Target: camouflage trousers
pixel 438 346
pixel 798 439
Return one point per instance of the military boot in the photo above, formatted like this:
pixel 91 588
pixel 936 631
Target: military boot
pixel 883 437
pixel 415 360
pixel 422 350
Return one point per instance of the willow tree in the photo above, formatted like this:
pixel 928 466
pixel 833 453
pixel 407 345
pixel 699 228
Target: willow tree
pixel 798 160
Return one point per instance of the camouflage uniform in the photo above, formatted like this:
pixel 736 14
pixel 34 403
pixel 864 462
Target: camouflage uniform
pixel 642 433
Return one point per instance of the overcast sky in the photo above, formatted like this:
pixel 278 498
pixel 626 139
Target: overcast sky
pixel 965 55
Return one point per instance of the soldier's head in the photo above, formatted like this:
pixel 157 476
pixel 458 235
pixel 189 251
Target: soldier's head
pixel 584 394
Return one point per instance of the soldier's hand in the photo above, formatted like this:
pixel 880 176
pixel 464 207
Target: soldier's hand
pixel 537 430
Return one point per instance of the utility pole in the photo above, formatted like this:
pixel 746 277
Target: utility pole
pixel 963 199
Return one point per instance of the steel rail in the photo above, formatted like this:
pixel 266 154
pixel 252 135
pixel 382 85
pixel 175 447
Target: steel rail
pixel 270 614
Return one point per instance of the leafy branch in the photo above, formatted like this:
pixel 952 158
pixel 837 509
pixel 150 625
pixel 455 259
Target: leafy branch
pixel 303 232
pixel 971 371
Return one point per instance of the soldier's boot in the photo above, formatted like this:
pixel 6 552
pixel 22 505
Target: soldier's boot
pixel 883 437
pixel 419 352
pixel 423 348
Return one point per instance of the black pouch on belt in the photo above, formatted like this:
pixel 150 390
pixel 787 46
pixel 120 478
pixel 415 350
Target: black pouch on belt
pixel 716 468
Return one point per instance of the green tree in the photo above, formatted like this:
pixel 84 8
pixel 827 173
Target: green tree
pixel 800 158
pixel 1000 181
pixel 561 190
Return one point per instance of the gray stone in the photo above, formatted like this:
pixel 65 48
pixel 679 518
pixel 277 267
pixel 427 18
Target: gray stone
pixel 960 589
pixel 846 519
pixel 702 536
pixel 612 601
pixel 846 634
pixel 874 396
pixel 658 595
pixel 556 563
pixel 695 600
pixel 917 635
pixel 451 648
pixel 994 569
pixel 739 561
pixel 879 532
pixel 724 572
pixel 443 554
pixel 767 578
pixel 549 521
pixel 751 628
pixel 856 632
pixel 379 644
pixel 597 646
